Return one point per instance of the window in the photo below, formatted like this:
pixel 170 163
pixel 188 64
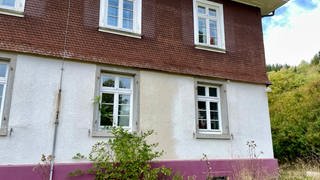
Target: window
pixel 208 100
pixel 115 101
pixel 6 81
pixel 211 110
pixel 121 17
pixel 209 25
pixel 12 7
pixel 3 85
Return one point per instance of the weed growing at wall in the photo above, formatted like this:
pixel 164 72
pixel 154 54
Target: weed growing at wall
pixel 43 168
pixel 126 156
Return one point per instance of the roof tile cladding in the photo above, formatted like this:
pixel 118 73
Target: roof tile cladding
pixel 167 43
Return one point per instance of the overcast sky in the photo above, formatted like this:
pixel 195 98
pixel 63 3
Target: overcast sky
pixel 293 33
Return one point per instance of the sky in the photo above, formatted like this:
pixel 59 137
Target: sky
pixel 293 33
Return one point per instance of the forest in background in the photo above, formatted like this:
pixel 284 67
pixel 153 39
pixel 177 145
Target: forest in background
pixel 294 103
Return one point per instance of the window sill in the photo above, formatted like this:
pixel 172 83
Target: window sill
pixel 199 135
pixel 3 131
pixel 102 133
pixel 210 48
pixel 11 12
pixel 120 32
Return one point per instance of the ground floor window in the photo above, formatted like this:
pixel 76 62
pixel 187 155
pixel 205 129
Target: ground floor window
pixel 116 96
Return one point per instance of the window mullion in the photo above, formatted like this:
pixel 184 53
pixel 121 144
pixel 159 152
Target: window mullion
pixel 106 11
pixel 208 30
pixel 115 109
pixel 208 114
pixel 120 15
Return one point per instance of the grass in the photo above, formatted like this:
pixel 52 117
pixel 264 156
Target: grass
pixel 300 171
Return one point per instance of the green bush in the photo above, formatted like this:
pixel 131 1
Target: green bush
pixel 126 156
pixel 295 112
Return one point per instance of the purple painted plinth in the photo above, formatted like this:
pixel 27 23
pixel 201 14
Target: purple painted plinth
pixel 257 168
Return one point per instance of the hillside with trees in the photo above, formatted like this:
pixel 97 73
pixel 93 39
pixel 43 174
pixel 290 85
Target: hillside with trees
pixel 295 110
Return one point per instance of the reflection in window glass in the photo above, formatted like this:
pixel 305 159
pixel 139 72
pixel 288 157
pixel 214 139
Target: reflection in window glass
pixel 201 91
pixel 201 10
pixel 208 108
pixel 212 12
pixel 10 3
pixel 108 81
pixel 115 108
pixel 202 30
pixel 213 92
pixel 3 70
pixel 124 83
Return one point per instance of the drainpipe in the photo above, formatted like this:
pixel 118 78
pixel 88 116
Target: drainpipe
pixel 56 122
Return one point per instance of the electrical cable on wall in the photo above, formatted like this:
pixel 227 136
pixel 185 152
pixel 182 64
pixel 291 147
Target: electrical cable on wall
pixel 56 122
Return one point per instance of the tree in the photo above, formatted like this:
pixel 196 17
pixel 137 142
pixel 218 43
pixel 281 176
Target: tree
pixel 295 112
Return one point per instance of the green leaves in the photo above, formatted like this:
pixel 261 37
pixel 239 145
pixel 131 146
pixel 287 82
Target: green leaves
pixel 126 156
pixel 294 105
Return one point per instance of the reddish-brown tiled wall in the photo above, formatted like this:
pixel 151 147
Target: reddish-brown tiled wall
pixel 167 42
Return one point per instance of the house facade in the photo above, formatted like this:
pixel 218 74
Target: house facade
pixel 191 70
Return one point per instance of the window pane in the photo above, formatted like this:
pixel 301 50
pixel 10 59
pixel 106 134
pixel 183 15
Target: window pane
pixel 128 5
pixel 202 30
pixel 213 106
pixel 202 124
pixel 201 10
pixel 212 12
pixel 112 21
pixel 201 91
pixel 124 99
pixel 213 33
pixel 107 98
pixel 10 3
pixel 202 115
pixel 125 83
pixel 127 14
pixel 124 110
pixel 114 3
pixel 107 81
pixel 112 11
pixel 127 24
pixel 213 92
pixel 123 120
pixel 201 105
pixel 215 125
pixel 106 115
pixel 214 115
pixel 3 70
pixel 1 90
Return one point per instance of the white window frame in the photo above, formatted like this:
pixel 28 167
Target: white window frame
pixel 10 60
pixel 97 131
pixel 17 10
pixel 220 47
pixel 4 82
pixel 116 91
pixel 137 11
pixel 223 133
pixel 207 99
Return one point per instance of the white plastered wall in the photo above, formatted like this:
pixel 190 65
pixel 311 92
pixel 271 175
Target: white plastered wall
pixel 167 105
pixel 33 110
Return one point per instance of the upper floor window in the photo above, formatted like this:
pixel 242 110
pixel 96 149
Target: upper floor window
pixel 121 16
pixel 12 7
pixel 209 25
